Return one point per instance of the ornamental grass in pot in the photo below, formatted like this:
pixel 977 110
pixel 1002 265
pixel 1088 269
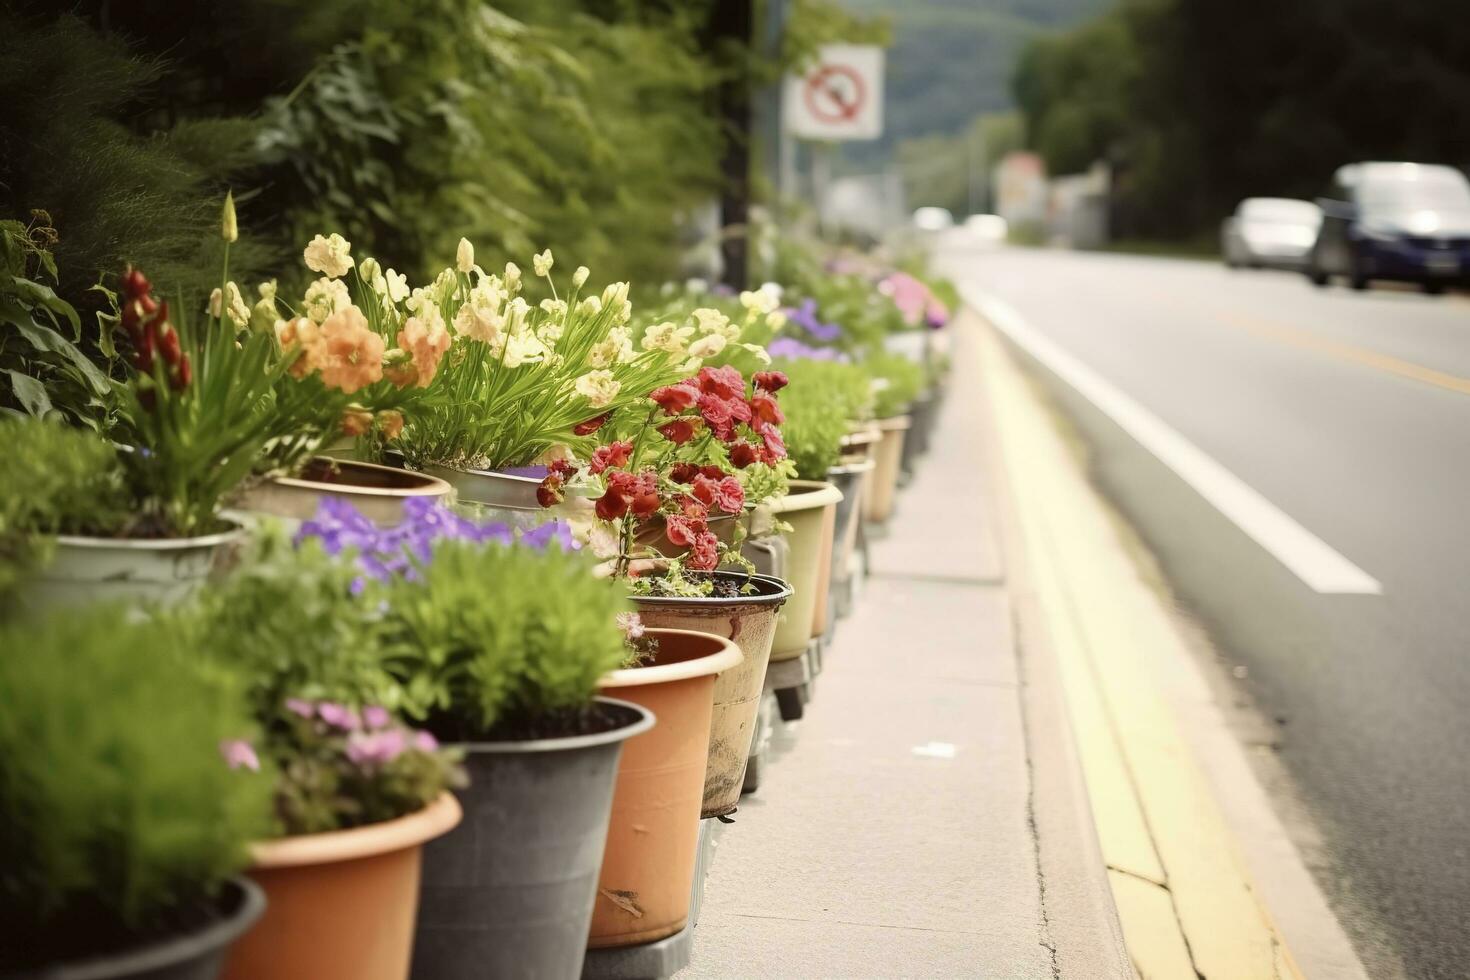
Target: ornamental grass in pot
pixel 356 792
pixel 897 381
pixel 643 891
pixel 708 445
pixel 496 642
pixel 124 826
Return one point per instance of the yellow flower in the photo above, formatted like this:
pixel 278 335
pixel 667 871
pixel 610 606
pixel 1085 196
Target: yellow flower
pixel 668 336
pixel 598 387
pixel 330 256
pixel 464 257
pixel 542 263
pixel 713 322
pixel 707 346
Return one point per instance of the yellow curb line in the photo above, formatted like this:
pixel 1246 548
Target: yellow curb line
pixel 1183 895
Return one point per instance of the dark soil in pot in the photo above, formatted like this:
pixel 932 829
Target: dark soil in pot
pixel 339 473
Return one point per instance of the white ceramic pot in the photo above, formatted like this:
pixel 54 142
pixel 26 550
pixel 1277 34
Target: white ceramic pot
pixel 134 570
pixel 378 492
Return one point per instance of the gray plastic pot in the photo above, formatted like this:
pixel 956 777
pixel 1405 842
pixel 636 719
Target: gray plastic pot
pixel 509 892
pixel 198 955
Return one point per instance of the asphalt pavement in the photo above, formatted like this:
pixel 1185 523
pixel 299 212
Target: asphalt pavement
pixel 1299 461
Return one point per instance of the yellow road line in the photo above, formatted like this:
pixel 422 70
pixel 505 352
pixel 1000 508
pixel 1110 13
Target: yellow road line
pixel 1306 340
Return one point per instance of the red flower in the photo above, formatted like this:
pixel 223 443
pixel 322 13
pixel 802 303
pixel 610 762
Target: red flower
pixel 742 454
pixel 719 418
pixel 561 468
pixel 684 531
pixel 692 507
pixel 678 431
pixel 774 448
pixel 713 472
pixel 704 490
pixel 683 472
pixel 645 500
pixel 591 425
pixel 705 554
pixel 764 407
pixel 549 494
pixel 771 381
pixel 730 495
pixel 722 382
pixel 674 399
pixel 614 454
pixel 739 410
pixel 611 505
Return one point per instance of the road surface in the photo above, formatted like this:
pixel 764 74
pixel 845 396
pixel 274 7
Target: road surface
pixel 1299 461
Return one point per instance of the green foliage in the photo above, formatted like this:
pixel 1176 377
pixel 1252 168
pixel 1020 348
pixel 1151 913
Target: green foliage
pixel 897 381
pixel 56 481
pixel 74 142
pixel 120 813
pixel 500 638
pixel 46 372
pixel 821 400
pixel 288 621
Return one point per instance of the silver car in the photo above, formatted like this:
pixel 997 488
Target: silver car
pixel 1270 232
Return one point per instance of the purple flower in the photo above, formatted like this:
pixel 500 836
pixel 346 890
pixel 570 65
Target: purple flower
pixel 301 707
pixel 805 316
pixel 793 349
pixel 542 536
pixel 376 716
pixel 238 754
pixel 376 748
pixel 338 716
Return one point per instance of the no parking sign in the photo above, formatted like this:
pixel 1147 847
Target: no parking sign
pixel 840 97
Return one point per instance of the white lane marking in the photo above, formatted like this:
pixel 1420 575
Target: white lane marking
pixel 1311 559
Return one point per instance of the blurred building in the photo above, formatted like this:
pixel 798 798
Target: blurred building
pixel 1077 208
pixel 1020 192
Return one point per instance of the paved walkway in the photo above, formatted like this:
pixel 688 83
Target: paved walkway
pixel 922 820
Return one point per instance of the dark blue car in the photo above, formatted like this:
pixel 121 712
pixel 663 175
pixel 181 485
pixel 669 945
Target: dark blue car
pixel 1408 222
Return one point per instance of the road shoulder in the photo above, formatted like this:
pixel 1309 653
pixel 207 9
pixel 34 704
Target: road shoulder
pixel 1180 863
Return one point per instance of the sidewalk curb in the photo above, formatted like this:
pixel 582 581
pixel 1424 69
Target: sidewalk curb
pixel 1080 919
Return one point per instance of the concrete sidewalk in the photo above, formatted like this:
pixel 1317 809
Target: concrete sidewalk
pixel 927 817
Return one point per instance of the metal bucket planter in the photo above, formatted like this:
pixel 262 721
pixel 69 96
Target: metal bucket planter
pixel 503 496
pixel 508 893
pixel 653 836
pixel 196 955
pixel 849 479
pixel 162 570
pixel 811 509
pixel 748 621
pixel 341 904
pixel 879 505
pixel 378 492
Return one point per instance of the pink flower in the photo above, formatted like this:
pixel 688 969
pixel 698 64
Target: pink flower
pixel 706 553
pixel 425 742
pixel 613 455
pixel 376 716
pixel 338 716
pixel 730 495
pixel 631 625
pixel 376 748
pixel 349 353
pixel 426 343
pixel 239 755
pixel 301 707
pixel 722 382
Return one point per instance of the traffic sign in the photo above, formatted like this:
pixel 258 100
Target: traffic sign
pixel 840 97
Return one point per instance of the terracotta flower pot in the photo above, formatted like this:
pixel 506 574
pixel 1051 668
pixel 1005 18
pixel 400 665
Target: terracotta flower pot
pixel 887 459
pixel 194 955
pixel 811 509
pixel 652 838
pixel 343 903
pixel 749 621
pixel 165 570
pixel 378 492
pixel 509 892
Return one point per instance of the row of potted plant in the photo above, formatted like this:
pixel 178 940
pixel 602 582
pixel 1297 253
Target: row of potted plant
pixel 402 675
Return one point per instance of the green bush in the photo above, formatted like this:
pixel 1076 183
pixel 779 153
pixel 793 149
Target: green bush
pixel 121 813
pixel 822 398
pixel 503 640
pixel 897 381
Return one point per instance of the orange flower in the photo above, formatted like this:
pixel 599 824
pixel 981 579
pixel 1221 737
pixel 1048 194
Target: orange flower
pixel 357 422
pixel 390 424
pixel 427 341
pixel 299 333
pixel 350 354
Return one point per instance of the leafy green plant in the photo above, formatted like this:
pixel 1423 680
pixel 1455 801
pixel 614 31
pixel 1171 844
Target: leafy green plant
pixel 56 481
pixel 45 370
pixel 122 814
pixel 824 397
pixel 897 381
pixel 499 640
